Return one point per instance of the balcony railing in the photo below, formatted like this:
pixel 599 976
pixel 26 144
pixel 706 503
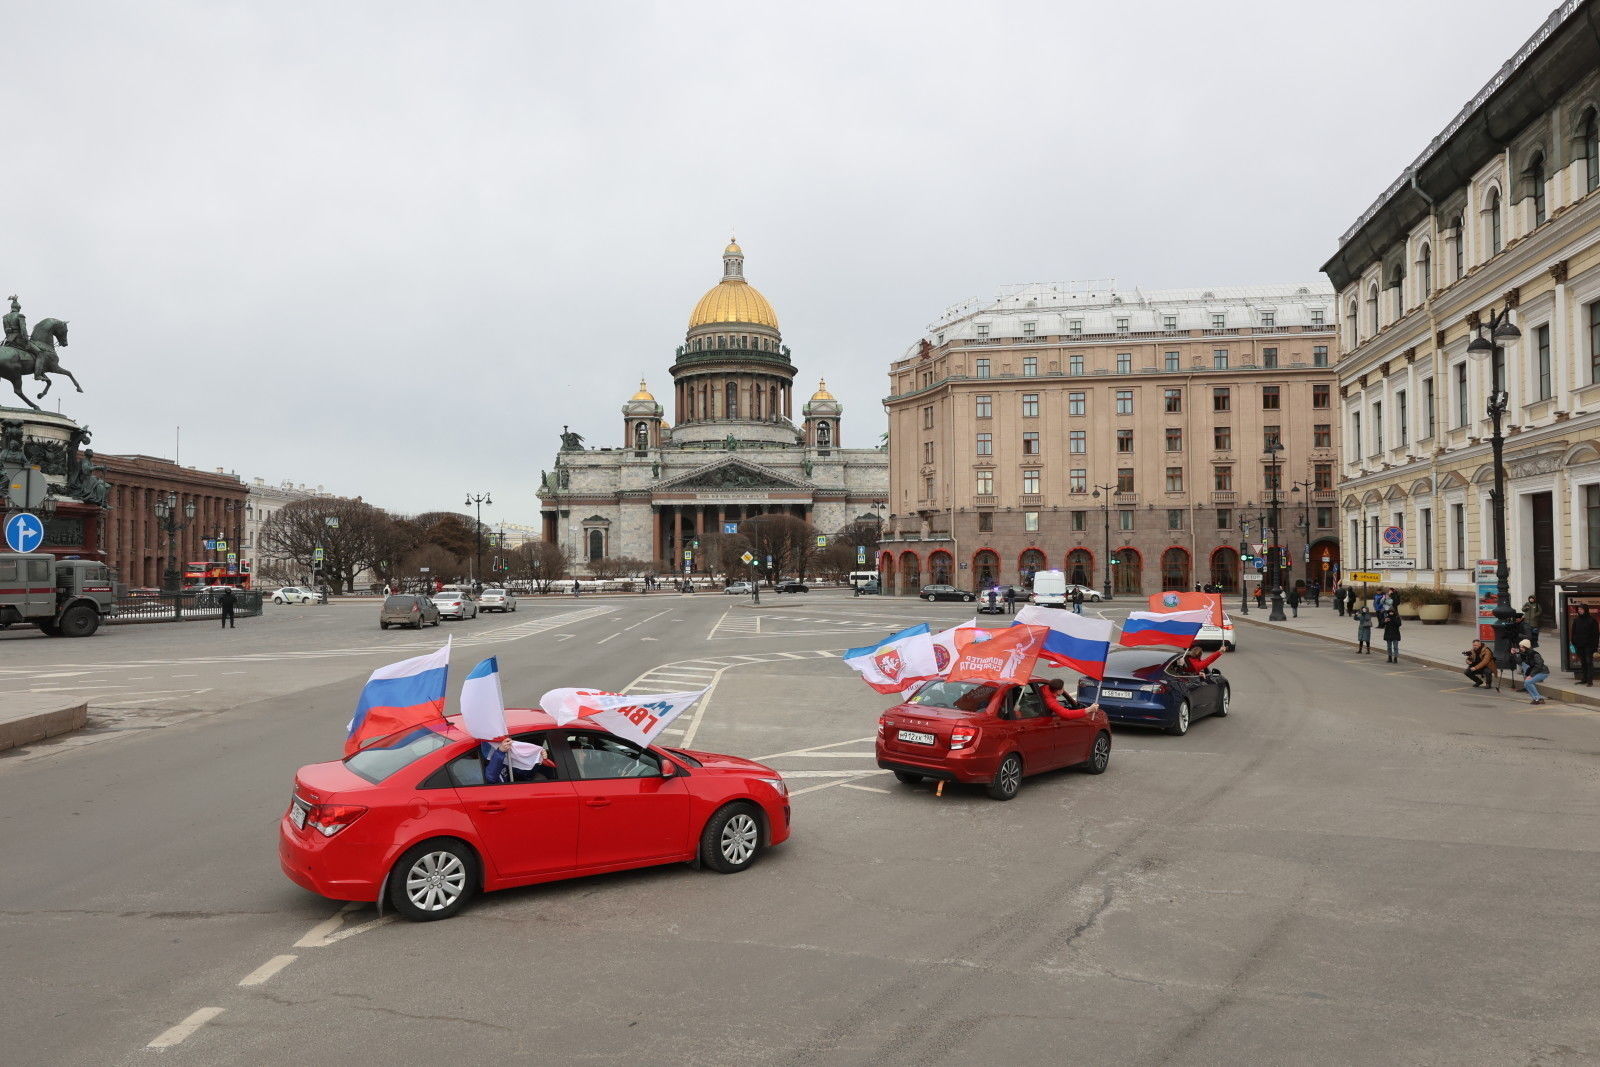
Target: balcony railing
pixel 1224 496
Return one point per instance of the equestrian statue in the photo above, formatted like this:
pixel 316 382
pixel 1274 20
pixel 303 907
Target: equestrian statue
pixel 23 353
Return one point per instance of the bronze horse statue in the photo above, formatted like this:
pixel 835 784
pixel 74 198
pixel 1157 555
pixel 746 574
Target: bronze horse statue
pixel 14 363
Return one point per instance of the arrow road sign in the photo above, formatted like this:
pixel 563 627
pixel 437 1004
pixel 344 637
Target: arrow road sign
pixel 24 532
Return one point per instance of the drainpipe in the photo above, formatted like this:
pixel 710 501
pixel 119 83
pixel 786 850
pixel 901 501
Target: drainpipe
pixel 1438 357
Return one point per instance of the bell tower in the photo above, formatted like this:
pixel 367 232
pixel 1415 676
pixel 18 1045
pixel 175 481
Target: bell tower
pixel 822 413
pixel 641 421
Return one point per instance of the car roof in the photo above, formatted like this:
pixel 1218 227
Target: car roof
pixel 1133 659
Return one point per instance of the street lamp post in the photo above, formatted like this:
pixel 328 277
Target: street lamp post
pixel 1274 555
pixel 167 521
pixel 1500 329
pixel 1304 489
pixel 1245 522
pixel 478 500
pixel 1105 514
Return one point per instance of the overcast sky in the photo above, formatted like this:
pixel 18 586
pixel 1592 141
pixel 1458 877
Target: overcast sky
pixel 391 248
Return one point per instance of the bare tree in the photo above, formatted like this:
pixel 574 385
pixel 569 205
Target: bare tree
pixel 788 540
pixel 606 567
pixel 835 562
pixel 540 562
pixel 352 534
pixel 442 564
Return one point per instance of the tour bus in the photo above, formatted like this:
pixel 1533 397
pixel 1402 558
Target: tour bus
pixel 211 572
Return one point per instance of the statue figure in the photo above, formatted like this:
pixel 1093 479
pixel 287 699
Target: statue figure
pixel 16 333
pixel 805 465
pixel 732 443
pixel 35 353
pixel 11 444
pixel 655 470
pixel 82 482
pixel 571 442
pixel 544 479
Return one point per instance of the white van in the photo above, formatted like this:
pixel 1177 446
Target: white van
pixel 1050 589
pixel 863 577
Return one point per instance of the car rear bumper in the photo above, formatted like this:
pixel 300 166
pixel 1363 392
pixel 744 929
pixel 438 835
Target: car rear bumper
pixel 1136 714
pixel 309 862
pixel 949 770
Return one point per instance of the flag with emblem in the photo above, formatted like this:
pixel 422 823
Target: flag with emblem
pixel 899 662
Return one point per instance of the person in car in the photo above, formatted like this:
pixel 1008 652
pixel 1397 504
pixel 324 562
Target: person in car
pixel 518 761
pixel 1197 661
pixel 1063 704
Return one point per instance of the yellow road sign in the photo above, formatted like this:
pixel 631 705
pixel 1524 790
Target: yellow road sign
pixel 1365 576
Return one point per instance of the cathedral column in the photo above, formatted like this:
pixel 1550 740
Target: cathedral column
pixel 677 535
pixel 699 522
pixel 655 534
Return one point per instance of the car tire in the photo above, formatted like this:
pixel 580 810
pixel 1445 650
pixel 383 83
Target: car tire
pixel 80 620
pixel 277 600
pixel 968 599
pixel 417 625
pixel 907 778
pixel 1007 778
pixel 383 626
pixel 436 622
pixel 928 597
pixel 1228 646
pixel 1222 705
pixel 731 840
pixel 433 880
pixel 1099 756
pixel 1181 725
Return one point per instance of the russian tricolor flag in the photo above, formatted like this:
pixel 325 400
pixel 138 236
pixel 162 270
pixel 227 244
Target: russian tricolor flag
pixel 398 697
pixel 1077 642
pixel 1175 628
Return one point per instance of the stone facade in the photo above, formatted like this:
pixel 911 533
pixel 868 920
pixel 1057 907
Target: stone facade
pixel 135 545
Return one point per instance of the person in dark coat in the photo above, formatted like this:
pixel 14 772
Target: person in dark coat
pixel 1390 622
pixel 1077 600
pixel 1584 634
pixel 1293 600
pixel 1338 600
pixel 1011 600
pixel 1363 619
pixel 228 600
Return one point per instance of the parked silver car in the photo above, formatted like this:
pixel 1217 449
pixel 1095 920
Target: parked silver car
pixel 454 604
pixel 496 600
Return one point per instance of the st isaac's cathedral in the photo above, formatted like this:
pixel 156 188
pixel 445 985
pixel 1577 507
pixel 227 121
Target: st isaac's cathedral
pixel 732 452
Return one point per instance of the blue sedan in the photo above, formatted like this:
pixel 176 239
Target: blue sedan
pixel 1156 687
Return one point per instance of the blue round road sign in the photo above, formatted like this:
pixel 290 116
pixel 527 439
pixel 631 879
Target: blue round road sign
pixel 1393 535
pixel 24 532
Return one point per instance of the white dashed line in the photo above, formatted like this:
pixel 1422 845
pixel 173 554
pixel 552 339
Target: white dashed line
pixel 262 973
pixel 176 1035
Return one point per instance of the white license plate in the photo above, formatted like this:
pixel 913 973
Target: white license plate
pixel 916 738
pixel 1123 694
pixel 297 815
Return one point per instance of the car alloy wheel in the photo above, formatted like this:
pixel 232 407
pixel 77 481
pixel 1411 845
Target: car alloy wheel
pixel 1007 778
pixel 1100 757
pixel 434 880
pixel 739 837
pixel 1180 725
pixel 968 599
pixel 731 840
pixel 1222 705
pixel 928 597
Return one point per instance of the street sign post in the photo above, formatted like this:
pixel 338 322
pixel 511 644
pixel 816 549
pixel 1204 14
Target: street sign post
pixel 730 527
pixel 1365 576
pixel 1392 563
pixel 24 532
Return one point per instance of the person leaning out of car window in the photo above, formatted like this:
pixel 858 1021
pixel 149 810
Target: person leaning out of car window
pixel 1061 703
pixel 1197 660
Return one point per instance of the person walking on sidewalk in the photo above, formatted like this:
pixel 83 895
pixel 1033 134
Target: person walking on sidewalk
pixel 228 600
pixel 1363 619
pixel 1390 622
pixel 1294 601
pixel 1480 664
pixel 1585 637
pixel 1338 601
pixel 1077 600
pixel 1534 670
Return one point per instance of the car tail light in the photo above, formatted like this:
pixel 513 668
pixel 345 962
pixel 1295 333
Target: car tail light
pixel 1157 687
pixel 962 736
pixel 883 725
pixel 329 819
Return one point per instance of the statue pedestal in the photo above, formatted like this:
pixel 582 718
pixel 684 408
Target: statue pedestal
pixel 50 444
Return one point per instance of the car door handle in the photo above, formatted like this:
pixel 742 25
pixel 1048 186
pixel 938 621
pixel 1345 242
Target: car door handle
pixel 492 807
pixel 598 802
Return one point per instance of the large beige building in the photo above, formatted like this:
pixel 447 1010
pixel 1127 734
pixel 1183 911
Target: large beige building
pixel 1060 424
pixel 1500 211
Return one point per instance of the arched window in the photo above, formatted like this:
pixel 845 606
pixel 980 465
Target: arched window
pixel 1425 262
pixel 1127 571
pixel 986 566
pixel 732 410
pixel 1591 151
pixel 1175 569
pixel 1460 249
pixel 940 567
pixel 1030 563
pixel 1536 187
pixel 1080 567
pixel 597 545
pixel 824 435
pixel 1495 230
pixel 1372 310
pixel 1225 569
pixel 1353 323
pixel 910 573
pixel 641 436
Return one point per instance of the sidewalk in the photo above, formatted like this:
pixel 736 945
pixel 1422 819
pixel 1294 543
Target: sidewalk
pixel 1436 646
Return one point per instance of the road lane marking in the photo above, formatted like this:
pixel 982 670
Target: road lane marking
pixel 866 788
pixel 836 755
pixel 641 622
pixel 813 748
pixel 316 936
pixel 267 970
pixel 603 640
pixel 176 1034
pixel 359 928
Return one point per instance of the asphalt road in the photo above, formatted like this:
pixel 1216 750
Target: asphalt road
pixel 1362 864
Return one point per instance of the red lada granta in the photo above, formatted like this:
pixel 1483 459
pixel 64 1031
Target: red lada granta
pixel 992 735
pixel 411 821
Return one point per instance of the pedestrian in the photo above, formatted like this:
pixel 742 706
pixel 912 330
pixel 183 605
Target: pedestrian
pixel 1390 621
pixel 1363 619
pixel 1011 600
pixel 1534 670
pixel 1315 592
pixel 228 600
pixel 1261 596
pixel 574 587
pixel 1584 636
pixel 1338 600
pixel 1522 631
pixel 994 600
pixel 1480 664
pixel 1531 610
pixel 1294 601
pixel 1077 600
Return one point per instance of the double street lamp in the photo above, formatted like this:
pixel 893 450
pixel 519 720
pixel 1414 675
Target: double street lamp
pixel 1500 330
pixel 167 520
pixel 1274 552
pixel 478 499
pixel 1105 513
pixel 1304 489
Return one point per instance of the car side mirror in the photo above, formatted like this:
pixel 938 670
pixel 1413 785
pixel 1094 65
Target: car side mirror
pixel 669 769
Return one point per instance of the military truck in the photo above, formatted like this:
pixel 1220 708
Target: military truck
pixel 64 598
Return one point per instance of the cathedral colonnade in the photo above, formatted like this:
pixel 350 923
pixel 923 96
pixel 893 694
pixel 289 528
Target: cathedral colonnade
pixel 675 525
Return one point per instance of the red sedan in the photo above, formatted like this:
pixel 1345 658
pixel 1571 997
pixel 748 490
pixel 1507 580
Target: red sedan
pixel 412 820
pixel 992 735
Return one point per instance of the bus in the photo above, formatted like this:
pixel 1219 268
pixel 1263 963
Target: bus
pixel 212 572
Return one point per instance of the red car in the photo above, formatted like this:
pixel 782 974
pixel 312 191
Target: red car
pixel 410 820
pixel 991 735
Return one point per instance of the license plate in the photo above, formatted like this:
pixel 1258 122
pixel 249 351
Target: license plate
pixel 297 815
pixel 916 738
pixel 1123 694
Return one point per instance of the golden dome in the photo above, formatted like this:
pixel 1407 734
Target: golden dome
pixel 822 391
pixel 733 300
pixel 733 248
pixel 642 394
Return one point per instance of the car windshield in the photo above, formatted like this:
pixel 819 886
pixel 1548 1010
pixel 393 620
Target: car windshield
pixel 399 603
pixel 494 592
pixel 377 762
pixel 958 696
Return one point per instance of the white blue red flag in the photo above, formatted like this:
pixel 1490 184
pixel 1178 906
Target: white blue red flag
pixel 898 662
pixel 398 697
pixel 483 707
pixel 1175 628
pixel 1075 641
pixel 639 717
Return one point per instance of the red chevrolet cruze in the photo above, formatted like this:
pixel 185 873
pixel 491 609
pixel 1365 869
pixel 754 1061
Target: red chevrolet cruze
pixel 992 735
pixel 412 821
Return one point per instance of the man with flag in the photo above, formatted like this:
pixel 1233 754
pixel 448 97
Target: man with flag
pixel 398 697
pixel 483 715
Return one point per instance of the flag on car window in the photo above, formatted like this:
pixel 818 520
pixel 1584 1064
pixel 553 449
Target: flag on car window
pixel 1175 628
pixel 483 707
pixel 639 717
pixel 1078 642
pixel 899 662
pixel 398 697
pixel 1008 655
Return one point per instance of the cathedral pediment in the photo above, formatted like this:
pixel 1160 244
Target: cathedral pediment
pixel 734 474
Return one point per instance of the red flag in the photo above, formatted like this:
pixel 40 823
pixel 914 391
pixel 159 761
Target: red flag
pixel 1007 656
pixel 1172 600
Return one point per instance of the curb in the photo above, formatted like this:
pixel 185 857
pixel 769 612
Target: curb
pixel 1552 693
pixel 27 727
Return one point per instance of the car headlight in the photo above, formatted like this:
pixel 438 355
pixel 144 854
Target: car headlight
pixel 777 785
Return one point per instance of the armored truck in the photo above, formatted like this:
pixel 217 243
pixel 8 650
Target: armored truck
pixel 64 598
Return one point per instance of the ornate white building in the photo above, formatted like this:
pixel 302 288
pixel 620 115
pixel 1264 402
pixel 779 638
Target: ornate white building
pixel 734 453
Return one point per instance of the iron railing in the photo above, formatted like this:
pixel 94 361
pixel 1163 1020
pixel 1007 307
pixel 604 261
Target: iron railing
pixel 182 607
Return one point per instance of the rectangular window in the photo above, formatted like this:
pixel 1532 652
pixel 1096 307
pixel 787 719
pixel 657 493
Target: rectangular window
pixel 1317 317
pixel 1030 366
pixel 927 451
pixel 1125 441
pixel 1122 325
pixel 1030 520
pixel 1075 403
pixel 1169 322
pixel 1075 327
pixel 1269 318
pixel 1174 479
pixel 1172 400
pixel 1594 342
pixel 1124 401
pixel 1377 426
pixel 1078 480
pixel 1174 439
pixel 981 366
pixel 1075 365
pixel 1219 320
pixel 1219 359
pixel 1272 478
pixel 1077 442
pixel 1591 523
pixel 1028 328
pixel 1222 478
pixel 1224 518
pixel 1321 395
pixel 986 444
pixel 985 405
pixel 1030 443
pixel 1171 361
pixel 1461 395
pixel 1124 479
pixel 983 330
pixel 1030 482
pixel 1222 438
pixel 1030 405
pixel 1124 520
pixel 1325 520
pixel 985 483
pixel 1427 406
pixel 1269 397
pixel 927 488
pixel 1355 434
pixel 1080 521
pixel 927 418
pixel 1174 518
pixel 1271 435
pixel 1124 362
pixel 1269 358
pixel 1541 348
pixel 1319 356
pixel 985 521
pixel 1322 476
pixel 1426 514
pixel 1221 398
pixel 1458 536
pixel 1405 417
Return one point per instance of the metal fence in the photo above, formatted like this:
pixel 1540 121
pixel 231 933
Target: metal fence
pixel 182 607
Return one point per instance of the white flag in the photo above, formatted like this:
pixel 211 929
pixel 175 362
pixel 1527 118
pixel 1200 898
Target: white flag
pixel 483 708
pixel 639 717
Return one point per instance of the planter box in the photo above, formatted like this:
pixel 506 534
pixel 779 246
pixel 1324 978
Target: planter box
pixel 1434 614
pixel 1408 610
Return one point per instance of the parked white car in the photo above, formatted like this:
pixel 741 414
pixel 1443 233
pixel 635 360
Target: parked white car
pixel 454 604
pixel 1211 636
pixel 496 600
pixel 294 594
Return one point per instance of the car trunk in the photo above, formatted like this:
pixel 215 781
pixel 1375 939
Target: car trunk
pixel 934 724
pixel 323 783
